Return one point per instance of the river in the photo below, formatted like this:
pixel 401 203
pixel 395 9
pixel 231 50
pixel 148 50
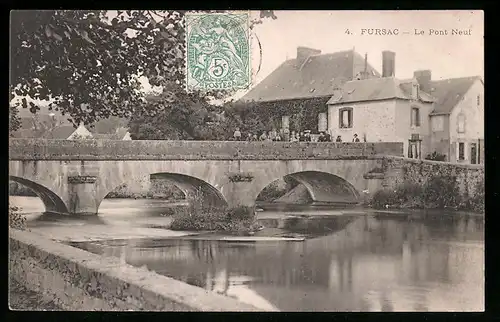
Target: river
pixel 355 261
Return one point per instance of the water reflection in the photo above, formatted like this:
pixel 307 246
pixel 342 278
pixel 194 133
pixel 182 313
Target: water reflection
pixel 365 264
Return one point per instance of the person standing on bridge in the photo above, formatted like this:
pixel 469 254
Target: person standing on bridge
pixel 328 137
pixel 339 139
pixel 237 134
pixel 355 138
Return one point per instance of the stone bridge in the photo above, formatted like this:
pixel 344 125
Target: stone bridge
pixel 75 176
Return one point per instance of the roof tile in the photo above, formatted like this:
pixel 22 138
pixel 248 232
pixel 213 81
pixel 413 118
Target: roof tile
pixel 374 89
pixel 317 77
pixel 449 92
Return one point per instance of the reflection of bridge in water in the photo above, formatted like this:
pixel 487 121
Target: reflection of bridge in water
pixel 288 263
pixel 369 263
pixel 364 264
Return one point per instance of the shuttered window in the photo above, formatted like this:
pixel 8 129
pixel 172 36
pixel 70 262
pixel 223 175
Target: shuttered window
pixel 345 117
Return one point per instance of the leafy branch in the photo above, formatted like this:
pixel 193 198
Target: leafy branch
pixel 88 62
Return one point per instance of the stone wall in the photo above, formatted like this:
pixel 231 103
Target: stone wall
pixel 397 170
pixel 74 279
pixel 38 149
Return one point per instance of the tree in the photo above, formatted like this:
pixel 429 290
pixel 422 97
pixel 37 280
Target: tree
pixel 14 121
pixel 88 62
pixel 191 117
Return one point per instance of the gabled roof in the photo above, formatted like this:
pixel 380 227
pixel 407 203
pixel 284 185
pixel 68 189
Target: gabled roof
pixel 375 89
pixel 82 131
pixel 316 77
pixel 449 92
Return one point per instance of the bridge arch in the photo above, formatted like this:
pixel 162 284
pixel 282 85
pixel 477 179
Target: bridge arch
pixel 191 186
pixel 322 186
pixel 50 199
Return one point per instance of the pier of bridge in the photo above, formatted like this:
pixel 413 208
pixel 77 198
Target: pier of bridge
pixel 73 177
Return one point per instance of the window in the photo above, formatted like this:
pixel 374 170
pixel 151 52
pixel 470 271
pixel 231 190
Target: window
pixel 437 123
pixel 473 153
pixel 345 117
pixel 461 123
pixel 461 151
pixel 415 116
pixel 478 100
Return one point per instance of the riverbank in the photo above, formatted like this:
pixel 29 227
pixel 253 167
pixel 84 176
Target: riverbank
pixel 438 193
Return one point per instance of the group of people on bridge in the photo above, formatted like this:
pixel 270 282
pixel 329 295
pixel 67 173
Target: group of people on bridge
pixel 293 136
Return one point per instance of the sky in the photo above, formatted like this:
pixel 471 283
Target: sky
pixel 446 56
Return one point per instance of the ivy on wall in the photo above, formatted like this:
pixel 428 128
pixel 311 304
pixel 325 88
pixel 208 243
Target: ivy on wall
pixel 255 117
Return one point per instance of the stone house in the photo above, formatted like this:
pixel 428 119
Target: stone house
pixel 444 116
pixel 457 121
pixel 305 83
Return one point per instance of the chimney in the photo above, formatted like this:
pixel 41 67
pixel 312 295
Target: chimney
pixel 388 63
pixel 423 78
pixel 364 73
pixel 366 63
pixel 303 53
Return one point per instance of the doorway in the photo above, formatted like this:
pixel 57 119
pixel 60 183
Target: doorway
pixel 415 148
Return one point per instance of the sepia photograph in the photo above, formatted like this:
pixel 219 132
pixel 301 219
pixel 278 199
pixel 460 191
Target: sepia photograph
pixel 263 160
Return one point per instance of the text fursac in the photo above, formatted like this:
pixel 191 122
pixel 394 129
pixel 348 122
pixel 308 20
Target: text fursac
pixel 380 32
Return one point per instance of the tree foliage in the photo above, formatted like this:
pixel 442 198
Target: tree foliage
pixel 88 62
pixel 190 118
pixel 14 121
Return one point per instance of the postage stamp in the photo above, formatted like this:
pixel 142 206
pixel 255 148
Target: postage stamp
pixel 218 51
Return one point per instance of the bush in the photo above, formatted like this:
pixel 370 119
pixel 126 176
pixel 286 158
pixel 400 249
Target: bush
pixel 407 195
pixel 476 202
pixel 383 198
pixel 198 217
pixel 435 156
pixel 226 220
pixel 241 213
pixel 16 219
pixel 441 192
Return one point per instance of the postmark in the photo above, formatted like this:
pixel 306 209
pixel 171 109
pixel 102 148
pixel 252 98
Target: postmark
pixel 218 51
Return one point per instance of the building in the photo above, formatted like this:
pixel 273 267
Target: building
pixel 457 121
pixel 441 116
pixel 444 116
pixel 306 83
pixel 53 125
pixel 81 132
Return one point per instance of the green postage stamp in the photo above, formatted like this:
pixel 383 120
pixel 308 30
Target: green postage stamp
pixel 218 51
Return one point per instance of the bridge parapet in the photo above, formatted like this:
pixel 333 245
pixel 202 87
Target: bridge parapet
pixel 40 149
